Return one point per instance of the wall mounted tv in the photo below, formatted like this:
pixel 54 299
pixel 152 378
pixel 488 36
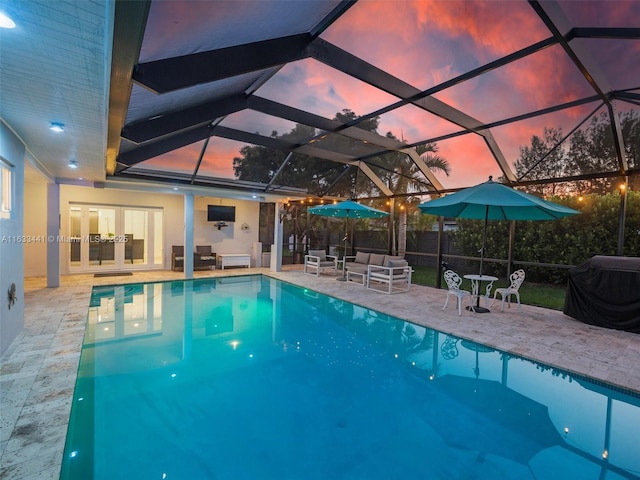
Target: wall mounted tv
pixel 221 213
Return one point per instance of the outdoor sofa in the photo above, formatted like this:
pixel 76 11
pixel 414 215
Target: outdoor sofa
pixel 384 273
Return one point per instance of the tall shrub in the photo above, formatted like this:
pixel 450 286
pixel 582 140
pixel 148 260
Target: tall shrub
pixel 569 241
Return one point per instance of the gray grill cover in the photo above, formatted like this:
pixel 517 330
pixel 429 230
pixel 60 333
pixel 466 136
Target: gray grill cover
pixel 605 291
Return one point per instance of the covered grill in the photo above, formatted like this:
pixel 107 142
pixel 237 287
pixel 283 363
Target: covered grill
pixel 605 291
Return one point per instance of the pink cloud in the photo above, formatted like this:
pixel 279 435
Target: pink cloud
pixel 432 41
pixel 217 161
pixel 424 43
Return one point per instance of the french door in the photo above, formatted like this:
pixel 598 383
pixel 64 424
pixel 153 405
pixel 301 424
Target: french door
pixel 103 237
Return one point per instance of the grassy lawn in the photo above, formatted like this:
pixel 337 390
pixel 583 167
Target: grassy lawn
pixel 547 296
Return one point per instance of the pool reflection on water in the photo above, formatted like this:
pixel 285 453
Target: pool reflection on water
pixel 250 377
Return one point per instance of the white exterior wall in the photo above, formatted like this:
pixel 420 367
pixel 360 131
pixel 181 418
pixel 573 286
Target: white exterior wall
pixel 231 239
pixel 172 206
pixel 35 225
pixel 12 251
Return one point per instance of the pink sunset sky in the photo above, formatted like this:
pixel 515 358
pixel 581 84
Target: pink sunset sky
pixel 425 43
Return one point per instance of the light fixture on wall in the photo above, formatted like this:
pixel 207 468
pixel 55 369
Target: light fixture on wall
pixel 56 127
pixel 12 295
pixel 285 213
pixel 73 164
pixel 6 21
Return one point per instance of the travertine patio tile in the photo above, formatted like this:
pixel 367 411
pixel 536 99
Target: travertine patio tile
pixel 8 420
pixel 14 397
pixel 37 374
pixel 34 467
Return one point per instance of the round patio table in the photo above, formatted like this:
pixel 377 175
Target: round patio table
pixel 476 281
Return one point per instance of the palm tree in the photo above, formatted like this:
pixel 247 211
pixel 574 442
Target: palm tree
pixel 406 178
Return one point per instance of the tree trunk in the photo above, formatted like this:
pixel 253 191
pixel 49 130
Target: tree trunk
pixel 402 232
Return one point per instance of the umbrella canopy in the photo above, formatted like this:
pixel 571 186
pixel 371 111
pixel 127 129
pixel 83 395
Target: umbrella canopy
pixel 495 201
pixel 347 209
pixel 490 417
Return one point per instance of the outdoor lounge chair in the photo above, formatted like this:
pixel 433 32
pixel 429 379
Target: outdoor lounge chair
pixel 454 281
pixel 318 260
pixel 516 278
pixel 393 277
pixel 177 258
pixel 204 258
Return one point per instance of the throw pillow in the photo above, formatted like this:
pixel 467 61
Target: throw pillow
pixel 391 257
pixel 397 263
pixel 376 259
pixel 319 253
pixel 362 257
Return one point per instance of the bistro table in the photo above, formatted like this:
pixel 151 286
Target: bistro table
pixel 476 280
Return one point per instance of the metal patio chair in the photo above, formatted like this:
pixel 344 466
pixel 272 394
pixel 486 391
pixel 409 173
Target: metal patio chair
pixel 516 278
pixel 454 281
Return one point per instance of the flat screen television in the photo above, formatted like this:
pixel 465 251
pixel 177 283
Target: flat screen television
pixel 221 213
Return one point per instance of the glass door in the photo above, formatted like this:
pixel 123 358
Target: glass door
pixel 114 238
pixel 102 237
pixel 75 236
pixel 136 227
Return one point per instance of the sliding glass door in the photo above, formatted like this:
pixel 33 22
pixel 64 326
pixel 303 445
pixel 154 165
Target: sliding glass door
pixel 114 238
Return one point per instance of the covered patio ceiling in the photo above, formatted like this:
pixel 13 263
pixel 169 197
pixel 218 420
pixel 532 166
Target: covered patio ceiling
pixel 195 83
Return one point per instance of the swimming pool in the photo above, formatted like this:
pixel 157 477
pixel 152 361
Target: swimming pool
pixel 249 377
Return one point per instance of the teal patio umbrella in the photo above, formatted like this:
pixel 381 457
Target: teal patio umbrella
pixel 494 201
pixel 347 209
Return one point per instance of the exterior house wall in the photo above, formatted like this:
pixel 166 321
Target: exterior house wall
pixel 171 205
pixel 12 152
pixel 231 239
pixel 35 227
pixel 234 238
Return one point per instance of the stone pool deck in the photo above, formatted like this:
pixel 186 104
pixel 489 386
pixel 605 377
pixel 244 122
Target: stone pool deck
pixel 38 372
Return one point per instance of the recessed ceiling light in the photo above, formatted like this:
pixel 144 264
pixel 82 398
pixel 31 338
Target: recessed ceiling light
pixel 56 127
pixel 6 22
pixel 175 188
pixel 73 164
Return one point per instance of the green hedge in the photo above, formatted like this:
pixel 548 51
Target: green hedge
pixel 569 241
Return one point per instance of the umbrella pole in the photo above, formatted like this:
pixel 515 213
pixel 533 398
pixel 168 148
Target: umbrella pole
pixel 343 278
pixel 478 308
pixel 484 237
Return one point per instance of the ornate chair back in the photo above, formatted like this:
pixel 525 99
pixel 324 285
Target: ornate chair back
pixel 516 278
pixel 453 280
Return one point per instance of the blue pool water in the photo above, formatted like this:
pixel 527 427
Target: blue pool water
pixel 252 378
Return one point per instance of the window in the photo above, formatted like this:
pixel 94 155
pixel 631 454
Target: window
pixel 6 190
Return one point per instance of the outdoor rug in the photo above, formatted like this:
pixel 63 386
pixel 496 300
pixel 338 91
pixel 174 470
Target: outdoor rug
pixel 112 274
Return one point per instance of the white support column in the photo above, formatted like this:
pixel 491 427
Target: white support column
pixel 53 232
pixel 276 247
pixel 187 333
pixel 188 235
